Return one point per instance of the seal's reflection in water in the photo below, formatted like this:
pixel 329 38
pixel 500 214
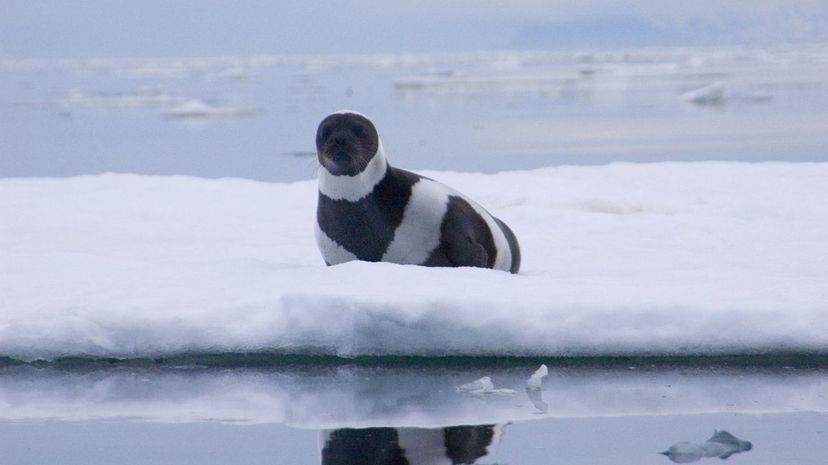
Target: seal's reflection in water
pixel 409 446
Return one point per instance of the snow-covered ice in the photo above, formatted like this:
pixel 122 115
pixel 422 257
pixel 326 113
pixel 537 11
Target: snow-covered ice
pixel 668 258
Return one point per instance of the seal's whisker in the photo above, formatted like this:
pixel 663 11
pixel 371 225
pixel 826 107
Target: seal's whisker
pixel 313 166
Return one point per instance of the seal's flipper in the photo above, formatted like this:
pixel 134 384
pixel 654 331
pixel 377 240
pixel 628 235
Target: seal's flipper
pixel 723 437
pixel 465 236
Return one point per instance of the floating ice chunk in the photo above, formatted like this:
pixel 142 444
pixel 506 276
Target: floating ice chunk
pixel 502 391
pixel 483 385
pixel 722 445
pixel 502 83
pixel 534 381
pixel 235 72
pixel 684 452
pixel 711 94
pixel 196 108
pixel 77 98
pixel 719 93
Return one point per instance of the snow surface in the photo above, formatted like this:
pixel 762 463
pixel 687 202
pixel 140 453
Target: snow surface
pixel 668 258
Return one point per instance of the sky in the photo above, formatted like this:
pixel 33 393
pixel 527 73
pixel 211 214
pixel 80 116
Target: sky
pixel 116 28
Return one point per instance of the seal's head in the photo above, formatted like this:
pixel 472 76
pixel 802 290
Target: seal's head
pixel 345 143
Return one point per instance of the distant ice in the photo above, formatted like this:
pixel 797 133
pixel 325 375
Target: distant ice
pixel 711 94
pixel 139 98
pixel 719 93
pixel 452 83
pixel 680 258
pixel 196 108
pixel 235 72
pixel 78 98
pixel 492 72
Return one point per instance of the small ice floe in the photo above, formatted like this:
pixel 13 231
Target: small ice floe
pixel 718 93
pixel 722 445
pixel 534 381
pixel 711 94
pixel 508 83
pixel 482 385
pixel 141 98
pixel 236 72
pixel 196 108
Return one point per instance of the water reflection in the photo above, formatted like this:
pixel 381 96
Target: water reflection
pixel 722 445
pixel 324 397
pixel 536 397
pixel 414 446
pixel 395 415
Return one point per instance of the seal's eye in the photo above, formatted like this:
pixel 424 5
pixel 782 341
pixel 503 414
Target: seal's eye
pixel 324 133
pixel 359 131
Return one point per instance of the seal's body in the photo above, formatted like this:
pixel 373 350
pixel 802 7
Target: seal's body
pixel 371 211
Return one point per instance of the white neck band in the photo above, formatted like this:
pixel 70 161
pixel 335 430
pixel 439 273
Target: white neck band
pixel 353 188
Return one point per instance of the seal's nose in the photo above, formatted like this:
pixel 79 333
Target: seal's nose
pixel 340 139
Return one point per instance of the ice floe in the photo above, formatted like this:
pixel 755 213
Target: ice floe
pixel 706 258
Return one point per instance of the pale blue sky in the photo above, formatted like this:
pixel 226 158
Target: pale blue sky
pixel 90 28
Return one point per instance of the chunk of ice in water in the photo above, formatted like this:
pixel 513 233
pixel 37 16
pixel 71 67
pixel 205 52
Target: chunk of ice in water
pixel 711 94
pixel 483 385
pixel 534 381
